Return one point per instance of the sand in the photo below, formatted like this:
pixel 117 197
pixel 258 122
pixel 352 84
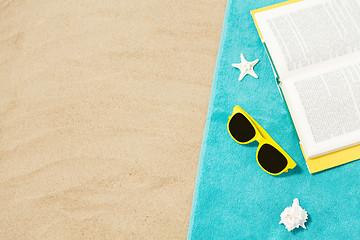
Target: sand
pixel 102 111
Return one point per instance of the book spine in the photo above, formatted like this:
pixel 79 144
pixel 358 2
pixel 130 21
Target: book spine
pixel 272 64
pixel 277 78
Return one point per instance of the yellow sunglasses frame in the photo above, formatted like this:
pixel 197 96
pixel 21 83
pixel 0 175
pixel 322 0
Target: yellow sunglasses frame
pixel 262 137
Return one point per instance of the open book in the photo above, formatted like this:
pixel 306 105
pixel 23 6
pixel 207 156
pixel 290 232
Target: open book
pixel 314 47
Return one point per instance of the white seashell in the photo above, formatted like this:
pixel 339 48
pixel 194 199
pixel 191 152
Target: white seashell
pixel 294 216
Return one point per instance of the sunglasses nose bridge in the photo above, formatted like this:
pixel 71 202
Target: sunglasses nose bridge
pixel 260 139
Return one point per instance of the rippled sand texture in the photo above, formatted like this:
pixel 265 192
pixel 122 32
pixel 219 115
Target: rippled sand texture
pixel 102 111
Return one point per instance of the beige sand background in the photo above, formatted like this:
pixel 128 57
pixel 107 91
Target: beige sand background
pixel 102 112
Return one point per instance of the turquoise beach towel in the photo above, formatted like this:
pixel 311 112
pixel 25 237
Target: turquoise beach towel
pixel 234 198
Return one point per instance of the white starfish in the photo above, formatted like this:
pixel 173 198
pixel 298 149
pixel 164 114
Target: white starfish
pixel 246 67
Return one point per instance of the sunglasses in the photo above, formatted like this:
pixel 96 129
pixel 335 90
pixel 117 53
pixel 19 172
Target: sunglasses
pixel 270 156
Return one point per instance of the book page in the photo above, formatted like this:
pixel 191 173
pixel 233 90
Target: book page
pixel 309 35
pixel 325 107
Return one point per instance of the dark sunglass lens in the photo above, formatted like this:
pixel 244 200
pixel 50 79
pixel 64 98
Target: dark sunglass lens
pixel 271 159
pixel 240 128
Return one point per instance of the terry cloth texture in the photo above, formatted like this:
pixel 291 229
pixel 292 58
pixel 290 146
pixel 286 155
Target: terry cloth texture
pixel 234 198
